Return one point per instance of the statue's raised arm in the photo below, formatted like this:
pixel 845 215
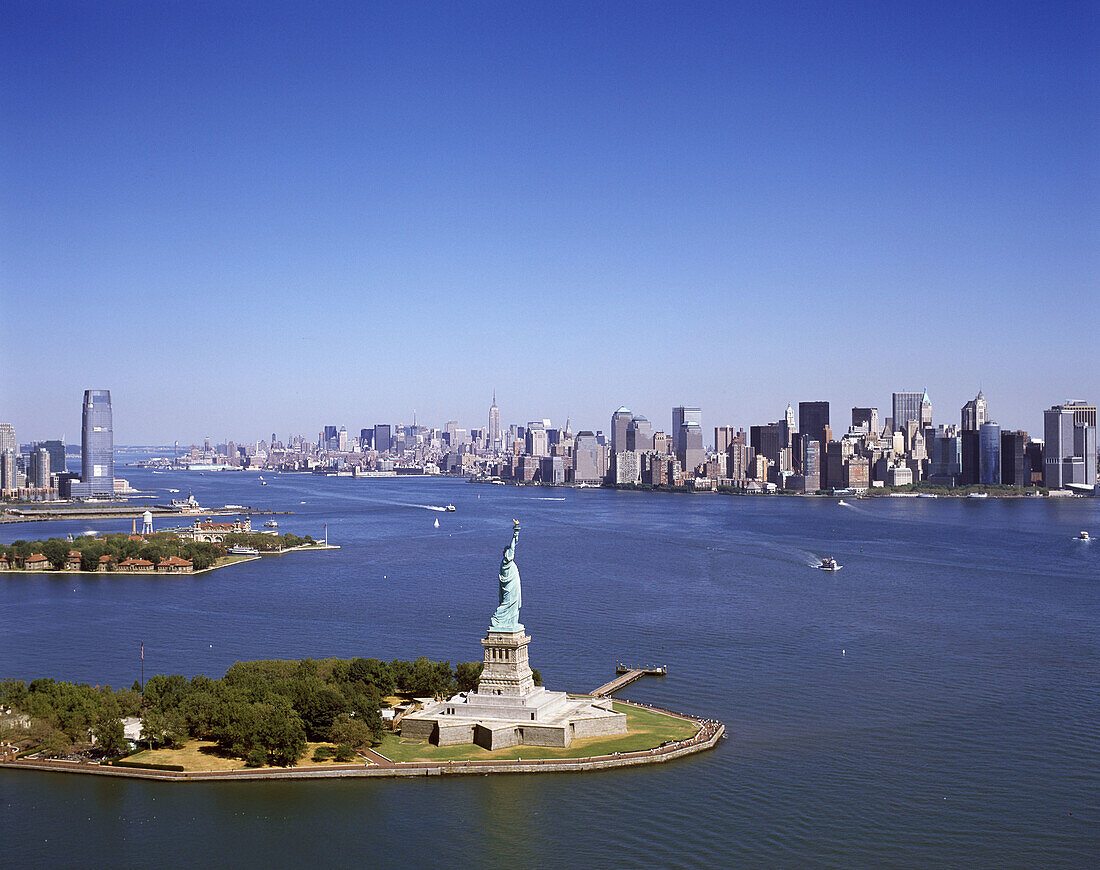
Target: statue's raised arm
pixel 506 617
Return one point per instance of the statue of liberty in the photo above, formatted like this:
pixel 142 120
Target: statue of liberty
pixel 506 617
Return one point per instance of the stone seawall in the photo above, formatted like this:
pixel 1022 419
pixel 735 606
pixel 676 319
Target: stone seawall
pixel 455 768
pixel 707 738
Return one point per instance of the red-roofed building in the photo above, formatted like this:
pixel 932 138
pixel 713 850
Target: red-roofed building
pixel 72 563
pixel 36 562
pixel 104 563
pixel 136 566
pixel 5 563
pixel 174 565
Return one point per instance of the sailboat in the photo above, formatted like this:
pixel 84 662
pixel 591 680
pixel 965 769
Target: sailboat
pixel 437 523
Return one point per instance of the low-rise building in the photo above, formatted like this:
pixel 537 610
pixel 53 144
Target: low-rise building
pixel 72 562
pixel 174 565
pixel 136 566
pixel 214 533
pixel 104 563
pixel 36 562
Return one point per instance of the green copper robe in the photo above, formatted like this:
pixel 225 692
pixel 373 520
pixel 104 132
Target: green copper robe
pixel 506 617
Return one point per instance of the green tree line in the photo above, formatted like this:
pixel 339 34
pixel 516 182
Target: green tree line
pixel 152 548
pixel 262 711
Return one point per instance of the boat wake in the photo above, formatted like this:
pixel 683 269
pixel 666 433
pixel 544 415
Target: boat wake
pixel 547 498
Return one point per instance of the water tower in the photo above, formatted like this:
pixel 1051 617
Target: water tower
pixel 147 523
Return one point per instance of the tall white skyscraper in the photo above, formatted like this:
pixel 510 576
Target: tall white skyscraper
pixel 495 443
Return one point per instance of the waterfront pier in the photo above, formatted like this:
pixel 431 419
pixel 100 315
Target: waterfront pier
pixel 626 676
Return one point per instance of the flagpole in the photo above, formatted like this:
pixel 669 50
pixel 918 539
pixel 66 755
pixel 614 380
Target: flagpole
pixel 143 667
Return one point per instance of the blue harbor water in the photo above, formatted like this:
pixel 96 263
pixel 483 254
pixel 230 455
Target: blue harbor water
pixel 934 703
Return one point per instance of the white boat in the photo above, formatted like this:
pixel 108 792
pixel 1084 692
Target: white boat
pixel 235 507
pixel 839 503
pixel 436 523
pixel 449 508
pixel 828 564
pixel 927 495
pixel 1084 536
pixel 242 550
pixel 271 524
pixel 978 495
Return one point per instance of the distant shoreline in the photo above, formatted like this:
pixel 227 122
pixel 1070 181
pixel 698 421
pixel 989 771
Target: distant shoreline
pixel 232 560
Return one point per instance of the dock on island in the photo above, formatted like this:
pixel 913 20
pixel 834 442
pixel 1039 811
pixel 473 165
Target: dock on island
pixel 627 674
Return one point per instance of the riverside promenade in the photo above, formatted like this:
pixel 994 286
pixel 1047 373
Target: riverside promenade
pixel 708 734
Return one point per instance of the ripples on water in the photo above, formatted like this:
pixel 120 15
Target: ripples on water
pixel 932 704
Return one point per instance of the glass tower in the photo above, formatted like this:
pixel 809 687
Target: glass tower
pixel 97 444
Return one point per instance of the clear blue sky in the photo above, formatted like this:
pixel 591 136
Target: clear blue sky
pixel 246 217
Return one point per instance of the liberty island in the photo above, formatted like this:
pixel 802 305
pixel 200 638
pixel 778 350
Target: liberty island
pixel 508 709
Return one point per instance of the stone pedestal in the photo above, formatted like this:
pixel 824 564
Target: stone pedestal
pixel 506 670
pixel 508 709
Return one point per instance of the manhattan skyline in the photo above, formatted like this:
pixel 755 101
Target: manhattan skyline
pixel 337 215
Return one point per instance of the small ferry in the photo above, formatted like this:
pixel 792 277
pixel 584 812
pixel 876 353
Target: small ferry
pixel 271 524
pixel 978 495
pixel 1084 536
pixel 828 564
pixel 449 508
pixel 242 550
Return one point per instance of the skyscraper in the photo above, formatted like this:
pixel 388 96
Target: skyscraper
pixel 813 420
pixel 867 419
pixel 7 438
pixel 681 416
pixel 494 425
pixel 620 423
pixel 690 452
pixel 989 447
pixel 723 437
pixel 974 413
pixel 8 481
pixel 40 467
pixel 1069 448
pixel 97 447
pixel 382 438
pixel 536 442
pixel 905 407
pixel 588 466
pixel 639 435
pixel 1015 465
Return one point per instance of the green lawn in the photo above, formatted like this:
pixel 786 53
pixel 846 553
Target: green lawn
pixel 645 730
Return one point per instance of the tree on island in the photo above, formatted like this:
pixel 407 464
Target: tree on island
pixel 110 736
pixel 265 709
pixel 467 675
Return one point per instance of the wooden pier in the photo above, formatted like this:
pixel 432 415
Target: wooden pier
pixel 626 676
